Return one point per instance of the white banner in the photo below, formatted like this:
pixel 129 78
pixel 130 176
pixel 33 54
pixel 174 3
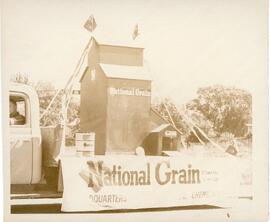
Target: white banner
pixel 132 182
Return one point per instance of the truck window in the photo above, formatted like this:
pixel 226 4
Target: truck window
pixel 17 110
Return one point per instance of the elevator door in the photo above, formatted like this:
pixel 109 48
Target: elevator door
pixel 166 143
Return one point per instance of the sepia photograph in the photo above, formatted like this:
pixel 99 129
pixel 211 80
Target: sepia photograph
pixel 144 110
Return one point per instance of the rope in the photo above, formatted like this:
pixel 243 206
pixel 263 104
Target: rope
pixel 191 128
pixel 204 134
pixel 72 84
pixel 167 110
pixel 50 104
pixel 189 121
pixel 68 94
pixel 71 79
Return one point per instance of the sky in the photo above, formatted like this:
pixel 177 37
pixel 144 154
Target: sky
pixel 188 44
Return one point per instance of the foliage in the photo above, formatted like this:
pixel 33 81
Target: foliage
pixel 46 92
pixel 226 137
pixel 73 122
pixel 177 119
pixel 227 108
pixel 217 110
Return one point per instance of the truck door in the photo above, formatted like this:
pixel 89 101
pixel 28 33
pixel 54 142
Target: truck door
pixel 21 144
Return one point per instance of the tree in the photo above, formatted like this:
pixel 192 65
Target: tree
pixel 162 106
pixel 46 92
pixel 169 111
pixel 227 108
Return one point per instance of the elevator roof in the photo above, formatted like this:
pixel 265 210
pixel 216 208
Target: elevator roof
pixel 125 72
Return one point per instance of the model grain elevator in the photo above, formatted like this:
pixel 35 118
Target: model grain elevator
pixel 115 98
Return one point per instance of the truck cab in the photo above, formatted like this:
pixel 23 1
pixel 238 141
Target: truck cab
pixel 25 135
pixel 34 174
